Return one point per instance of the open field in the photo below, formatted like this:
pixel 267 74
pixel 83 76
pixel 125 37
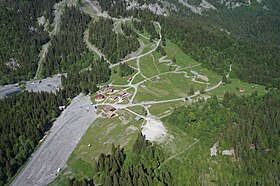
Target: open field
pixel 236 84
pixel 147 66
pixel 116 79
pixel 182 59
pixel 100 135
pixel 138 78
pixel 132 63
pixel 161 110
pixel 138 109
pixel 167 86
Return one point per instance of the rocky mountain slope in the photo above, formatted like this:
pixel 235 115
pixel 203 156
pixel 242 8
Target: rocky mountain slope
pixel 164 7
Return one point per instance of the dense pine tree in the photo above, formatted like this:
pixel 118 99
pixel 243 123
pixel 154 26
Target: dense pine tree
pixel 24 119
pixel 114 46
pixel 22 37
pixel 68 51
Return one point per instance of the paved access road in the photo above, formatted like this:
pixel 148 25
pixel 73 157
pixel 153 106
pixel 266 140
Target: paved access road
pixel 59 144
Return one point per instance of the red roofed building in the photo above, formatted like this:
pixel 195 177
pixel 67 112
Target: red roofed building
pixel 99 97
pixel 241 89
pixel 129 79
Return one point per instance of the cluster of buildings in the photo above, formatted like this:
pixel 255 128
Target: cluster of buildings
pixel 110 92
pixel 214 151
pixel 108 111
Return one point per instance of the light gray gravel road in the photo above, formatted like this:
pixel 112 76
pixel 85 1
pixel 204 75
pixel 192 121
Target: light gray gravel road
pixel 59 144
pixel 9 90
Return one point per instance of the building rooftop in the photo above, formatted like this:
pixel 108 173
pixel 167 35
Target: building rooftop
pixel 99 96
pixel 137 118
pixel 108 108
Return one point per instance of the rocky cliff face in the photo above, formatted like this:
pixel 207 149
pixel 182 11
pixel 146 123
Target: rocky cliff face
pixel 200 6
pixel 164 7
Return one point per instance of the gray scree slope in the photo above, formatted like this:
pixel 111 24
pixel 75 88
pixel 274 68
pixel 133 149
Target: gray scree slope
pixel 59 144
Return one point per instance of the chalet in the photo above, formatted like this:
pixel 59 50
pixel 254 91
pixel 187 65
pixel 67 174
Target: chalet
pixel 122 93
pixel 138 118
pixel 62 107
pixel 108 111
pixel 228 152
pixel 108 108
pixel 254 86
pixel 241 89
pixel 113 98
pixel 110 90
pixel 214 149
pixel 110 114
pixel 99 97
pixel 125 95
pixel 129 79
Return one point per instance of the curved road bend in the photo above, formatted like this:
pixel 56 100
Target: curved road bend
pixel 59 144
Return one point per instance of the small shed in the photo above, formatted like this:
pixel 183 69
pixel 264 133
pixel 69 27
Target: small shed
pixel 110 90
pixel 138 118
pixel 62 107
pixel 129 79
pixel 113 98
pixel 122 93
pixel 110 114
pixel 228 152
pixel 241 89
pixel 214 149
pixel 108 108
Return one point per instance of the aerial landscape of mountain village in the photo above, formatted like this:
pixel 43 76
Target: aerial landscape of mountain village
pixel 134 104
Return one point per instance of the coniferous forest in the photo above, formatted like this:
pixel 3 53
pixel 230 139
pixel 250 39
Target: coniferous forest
pixel 252 62
pixel 67 50
pixel 86 81
pixel 140 168
pixel 249 125
pixel 24 120
pixel 22 37
pixel 114 46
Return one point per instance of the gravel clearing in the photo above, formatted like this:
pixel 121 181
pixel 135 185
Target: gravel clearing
pixel 154 130
pixel 9 90
pixel 50 84
pixel 65 134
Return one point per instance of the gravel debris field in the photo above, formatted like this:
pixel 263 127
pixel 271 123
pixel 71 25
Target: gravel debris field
pixel 62 139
